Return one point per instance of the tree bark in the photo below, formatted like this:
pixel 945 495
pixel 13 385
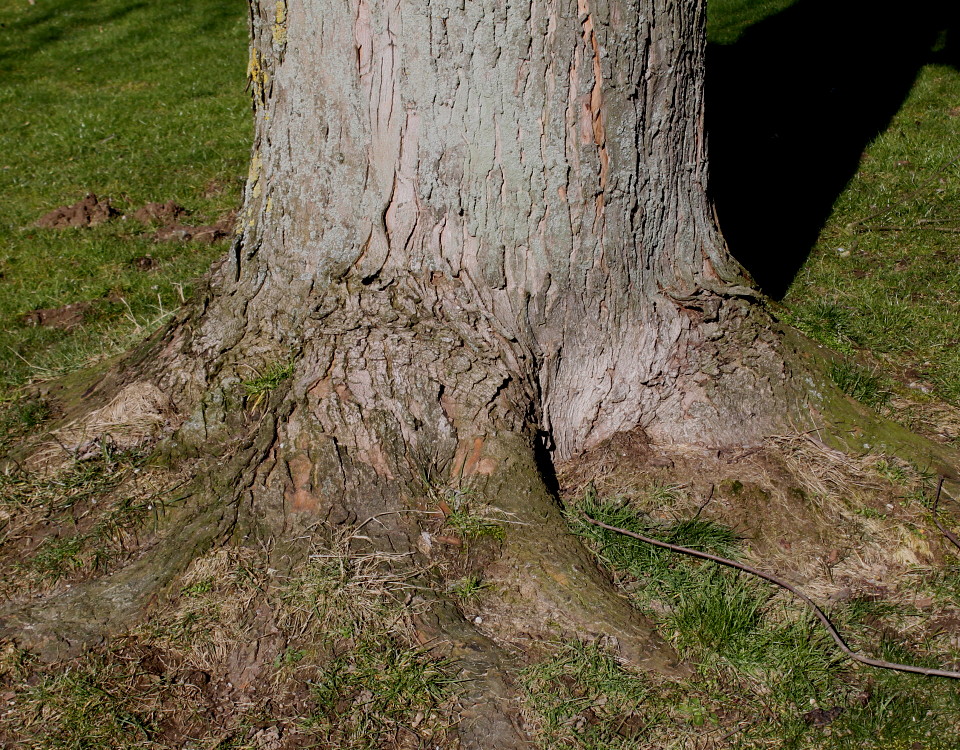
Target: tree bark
pixel 480 234
pixel 525 182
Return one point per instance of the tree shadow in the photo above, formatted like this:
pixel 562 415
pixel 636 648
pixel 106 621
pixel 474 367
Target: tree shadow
pixel 792 104
pixel 37 30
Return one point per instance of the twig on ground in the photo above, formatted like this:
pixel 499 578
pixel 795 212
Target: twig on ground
pixel 793 590
pixel 741 727
pixel 936 519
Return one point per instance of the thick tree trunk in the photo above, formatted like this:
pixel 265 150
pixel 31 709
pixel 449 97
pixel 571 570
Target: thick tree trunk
pixel 522 186
pixel 474 229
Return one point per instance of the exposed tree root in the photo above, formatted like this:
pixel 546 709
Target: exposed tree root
pixel 489 713
pixel 277 476
pixel 88 613
pixel 548 585
pixel 544 585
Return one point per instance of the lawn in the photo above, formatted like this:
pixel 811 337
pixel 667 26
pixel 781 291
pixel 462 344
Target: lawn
pixel 136 102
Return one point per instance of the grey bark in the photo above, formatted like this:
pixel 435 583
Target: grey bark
pixel 528 178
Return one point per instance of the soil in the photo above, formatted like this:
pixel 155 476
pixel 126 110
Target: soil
pixel 207 234
pixel 159 213
pixel 92 211
pixel 65 318
pixel 145 263
pixel 89 212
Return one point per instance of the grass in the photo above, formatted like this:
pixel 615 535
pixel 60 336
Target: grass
pixel 755 649
pixel 882 275
pixel 336 664
pixel 76 520
pixel 582 698
pixel 82 708
pixel 468 588
pixel 376 691
pixel 473 525
pixel 259 387
pixel 93 104
pixel 370 681
pixel 655 571
pixel 19 417
pixel 728 19
pixel 866 387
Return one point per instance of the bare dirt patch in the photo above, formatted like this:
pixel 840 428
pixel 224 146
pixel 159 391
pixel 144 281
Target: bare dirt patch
pixel 207 234
pixel 88 212
pixel 160 213
pixel 65 318
pixel 145 263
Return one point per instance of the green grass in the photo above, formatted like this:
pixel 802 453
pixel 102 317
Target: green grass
pixel 369 681
pixel 19 417
pixel 97 704
pixel 260 386
pixel 728 19
pixel 883 275
pixel 657 571
pixel 94 103
pixel 468 588
pixel 756 649
pixel 375 691
pixel 584 699
pixel 866 387
pixel 472 526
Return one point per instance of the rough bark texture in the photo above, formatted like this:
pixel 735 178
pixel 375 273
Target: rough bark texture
pixel 522 186
pixel 473 228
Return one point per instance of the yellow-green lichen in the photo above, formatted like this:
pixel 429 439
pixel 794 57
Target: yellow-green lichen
pixel 258 77
pixel 280 27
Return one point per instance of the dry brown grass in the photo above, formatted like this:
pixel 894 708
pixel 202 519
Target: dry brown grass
pixel 138 415
pixel 341 589
pixel 832 522
pixel 211 616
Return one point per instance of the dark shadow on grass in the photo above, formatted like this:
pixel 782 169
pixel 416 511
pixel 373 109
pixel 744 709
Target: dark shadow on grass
pixel 39 28
pixel 792 105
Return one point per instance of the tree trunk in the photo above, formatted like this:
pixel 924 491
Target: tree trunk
pixel 501 210
pixel 480 235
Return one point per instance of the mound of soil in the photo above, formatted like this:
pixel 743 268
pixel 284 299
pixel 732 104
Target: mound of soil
pixel 145 263
pixel 162 213
pixel 89 212
pixel 64 318
pixel 207 234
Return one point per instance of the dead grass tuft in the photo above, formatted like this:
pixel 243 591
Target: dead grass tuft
pixel 343 591
pixel 210 617
pixel 873 500
pixel 138 415
pixel 937 420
